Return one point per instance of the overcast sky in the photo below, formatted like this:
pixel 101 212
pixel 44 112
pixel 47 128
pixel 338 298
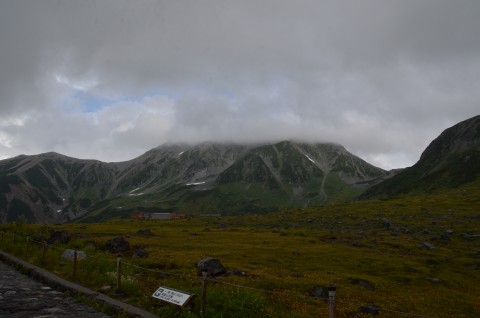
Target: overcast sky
pixel 110 80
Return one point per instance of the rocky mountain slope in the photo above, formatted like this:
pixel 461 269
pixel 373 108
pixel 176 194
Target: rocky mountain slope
pixel 452 159
pixel 205 178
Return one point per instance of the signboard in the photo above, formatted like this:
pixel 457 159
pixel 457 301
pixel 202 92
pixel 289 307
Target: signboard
pixel 172 296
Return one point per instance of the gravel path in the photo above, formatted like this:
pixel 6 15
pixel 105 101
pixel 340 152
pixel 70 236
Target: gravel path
pixel 20 296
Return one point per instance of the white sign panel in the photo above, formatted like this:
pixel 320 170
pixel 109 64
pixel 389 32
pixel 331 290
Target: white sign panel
pixel 171 295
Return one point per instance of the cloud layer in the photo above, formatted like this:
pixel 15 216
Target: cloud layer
pixel 112 79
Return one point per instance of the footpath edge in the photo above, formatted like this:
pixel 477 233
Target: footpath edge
pixel 61 284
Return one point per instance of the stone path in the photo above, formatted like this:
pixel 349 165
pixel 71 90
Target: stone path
pixel 22 297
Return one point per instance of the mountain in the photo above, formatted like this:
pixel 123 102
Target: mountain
pixel 204 178
pixel 40 188
pixel 451 160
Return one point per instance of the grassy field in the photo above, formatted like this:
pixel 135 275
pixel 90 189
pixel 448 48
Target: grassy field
pixel 416 254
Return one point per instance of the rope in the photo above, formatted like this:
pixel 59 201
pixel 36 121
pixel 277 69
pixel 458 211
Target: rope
pixel 159 272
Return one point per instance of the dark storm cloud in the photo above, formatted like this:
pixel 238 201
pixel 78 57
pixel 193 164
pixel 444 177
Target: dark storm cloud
pixel 381 77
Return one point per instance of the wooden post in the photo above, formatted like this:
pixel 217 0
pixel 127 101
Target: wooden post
pixel 26 247
pixel 44 252
pixel 74 271
pixel 203 298
pixel 119 274
pixel 331 300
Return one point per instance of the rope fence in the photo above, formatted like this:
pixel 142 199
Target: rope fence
pixel 121 265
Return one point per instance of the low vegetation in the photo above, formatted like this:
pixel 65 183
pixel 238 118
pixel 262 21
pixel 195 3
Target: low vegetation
pixel 417 254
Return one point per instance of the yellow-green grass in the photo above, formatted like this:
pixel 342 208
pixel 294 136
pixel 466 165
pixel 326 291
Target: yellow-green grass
pixel 288 253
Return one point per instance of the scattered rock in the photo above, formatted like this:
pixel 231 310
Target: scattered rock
pixel 435 280
pixel 319 292
pixel 117 245
pixel 140 253
pixel 68 255
pixel 236 272
pixel 212 265
pixel 365 284
pixel 297 275
pixel 372 310
pixel 144 232
pixel 61 236
pixel 427 246
pixel 470 236
pixel 105 288
pixel 81 236
pixel 386 223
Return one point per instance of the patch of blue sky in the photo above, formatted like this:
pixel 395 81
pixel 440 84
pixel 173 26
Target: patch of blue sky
pixel 92 103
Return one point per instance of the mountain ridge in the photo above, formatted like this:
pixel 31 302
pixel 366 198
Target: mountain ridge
pixel 226 177
pixel 450 160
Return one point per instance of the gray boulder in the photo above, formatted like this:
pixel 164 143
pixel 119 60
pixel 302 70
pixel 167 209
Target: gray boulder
pixel 319 292
pixel 140 253
pixel 213 266
pixel 117 245
pixel 427 246
pixel 68 255
pixel 365 284
pixel 435 280
pixel 61 236
pixel 372 310
pixel 236 272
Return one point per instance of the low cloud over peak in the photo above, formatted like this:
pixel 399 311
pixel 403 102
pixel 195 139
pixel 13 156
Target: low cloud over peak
pixel 111 79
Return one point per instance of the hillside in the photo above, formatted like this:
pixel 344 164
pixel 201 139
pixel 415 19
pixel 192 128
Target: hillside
pixel 209 177
pixel 451 160
pixel 238 179
pixel 41 188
